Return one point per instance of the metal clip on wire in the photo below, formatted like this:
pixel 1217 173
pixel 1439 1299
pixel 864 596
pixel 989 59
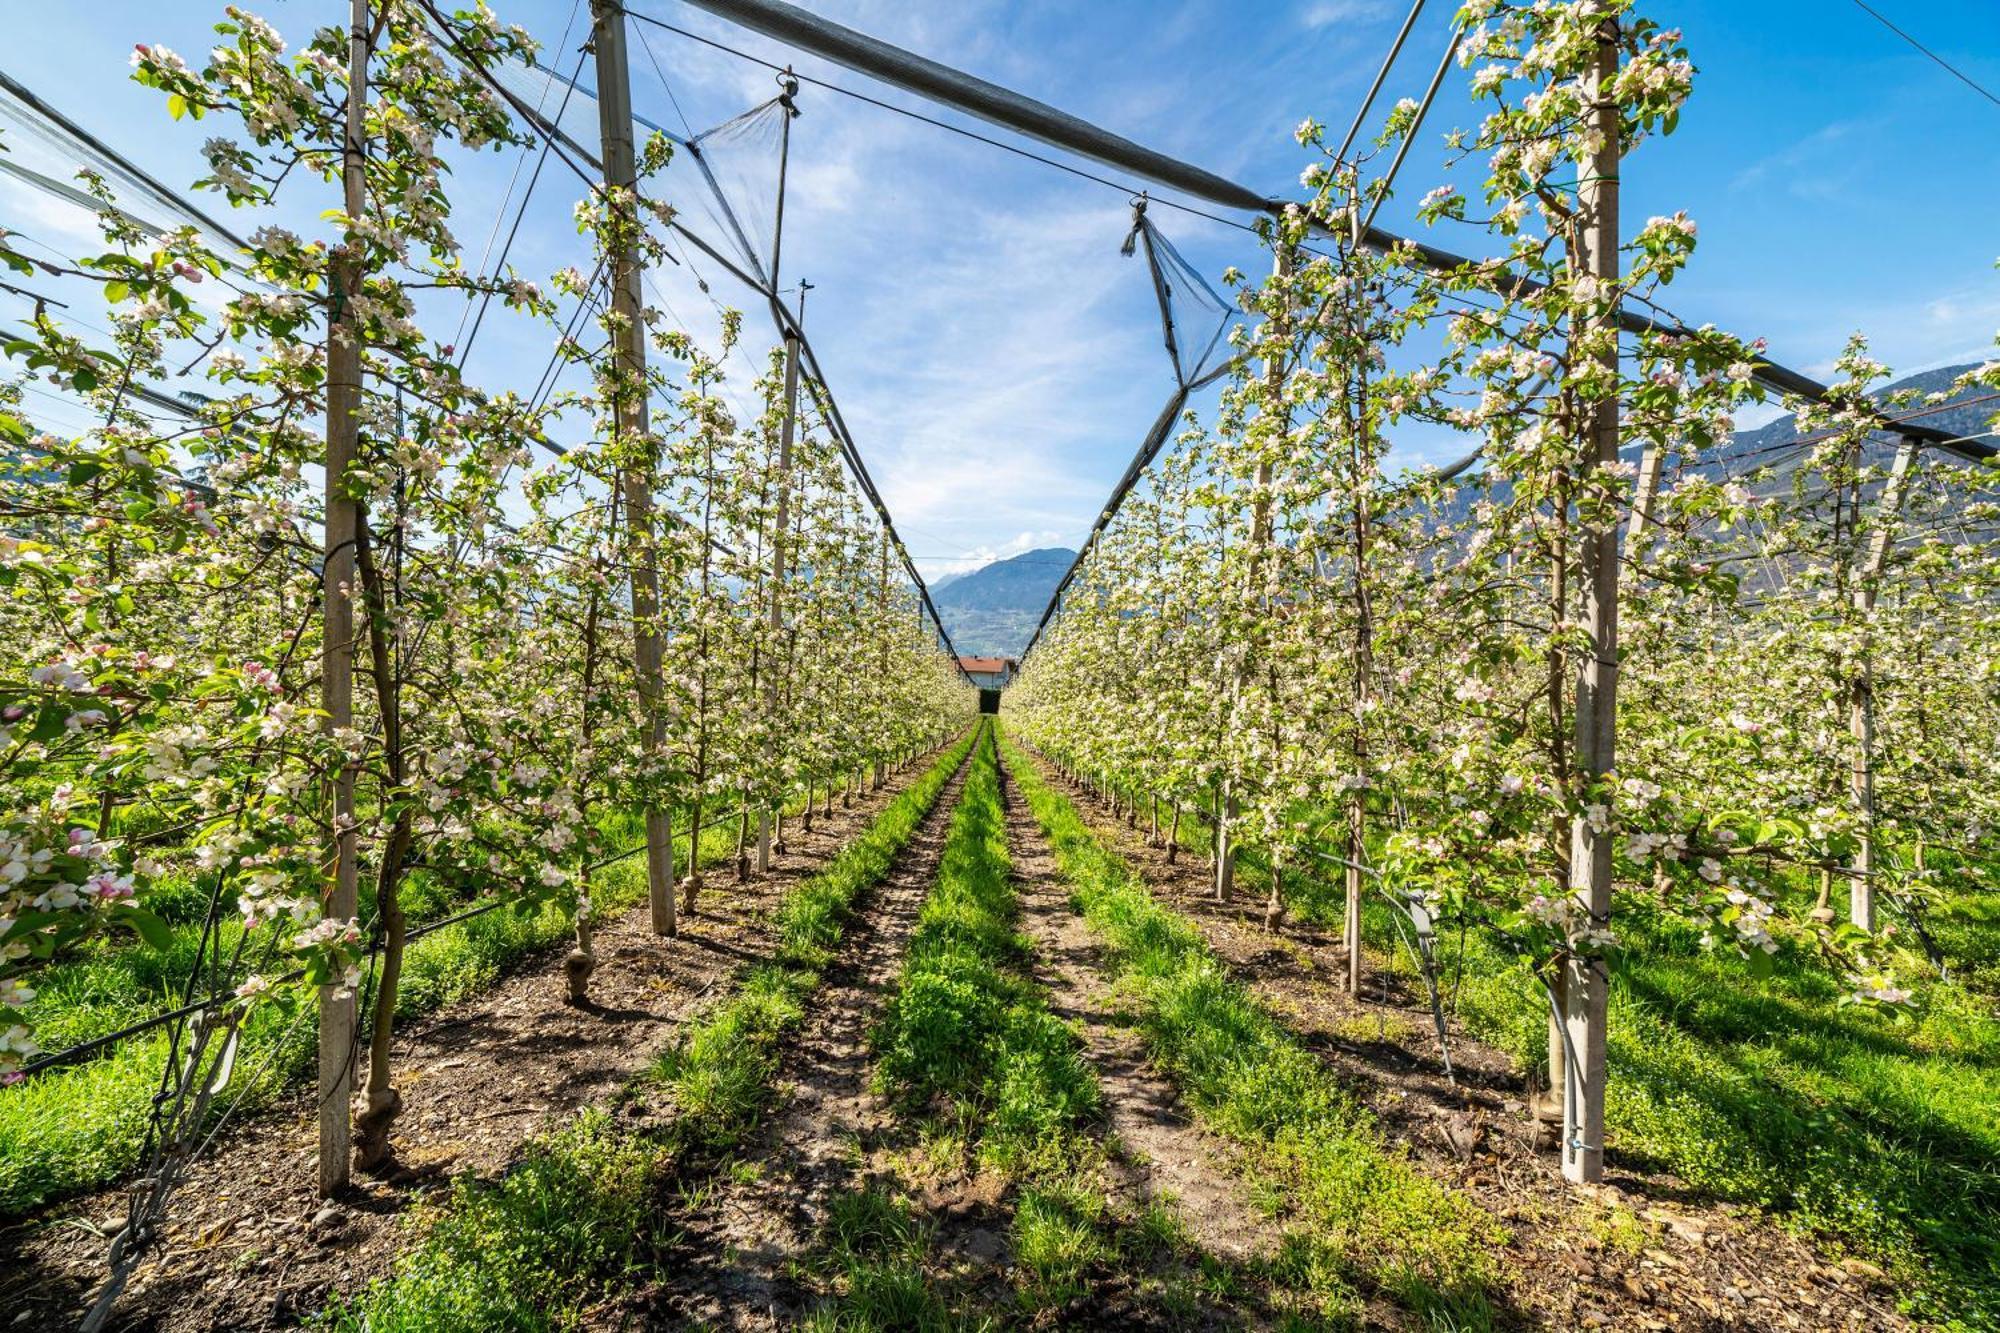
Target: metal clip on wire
pixel 1138 225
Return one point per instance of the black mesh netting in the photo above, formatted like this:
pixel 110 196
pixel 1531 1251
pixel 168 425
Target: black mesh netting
pixel 1193 317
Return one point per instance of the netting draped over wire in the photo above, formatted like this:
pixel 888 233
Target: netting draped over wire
pixel 741 162
pixel 736 165
pixel 1194 318
pixel 45 151
pixel 1194 325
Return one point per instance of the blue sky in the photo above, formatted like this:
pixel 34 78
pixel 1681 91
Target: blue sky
pixel 994 354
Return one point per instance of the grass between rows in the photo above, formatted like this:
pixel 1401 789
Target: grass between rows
pixel 1875 1138
pixel 77 1128
pixel 982 1078
pixel 577 1221
pixel 1364 1221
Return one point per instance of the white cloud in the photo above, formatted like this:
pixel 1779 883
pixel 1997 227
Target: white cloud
pixel 936 567
pixel 1326 13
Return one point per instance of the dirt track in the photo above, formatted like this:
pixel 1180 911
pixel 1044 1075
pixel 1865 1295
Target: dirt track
pixel 248 1245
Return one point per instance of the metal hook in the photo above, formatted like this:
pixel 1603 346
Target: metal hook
pixel 1138 225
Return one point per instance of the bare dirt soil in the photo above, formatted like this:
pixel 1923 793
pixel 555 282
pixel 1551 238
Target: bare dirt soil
pixel 1157 1153
pixel 248 1245
pixel 1642 1251
pixel 731 1268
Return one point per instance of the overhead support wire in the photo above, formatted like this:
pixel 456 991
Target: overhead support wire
pixel 1381 77
pixel 974 96
pixel 1388 181
pixel 990 102
pixel 787 325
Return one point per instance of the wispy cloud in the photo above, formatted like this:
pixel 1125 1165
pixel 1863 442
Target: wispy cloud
pixel 1326 13
pixel 1818 166
pixel 938 566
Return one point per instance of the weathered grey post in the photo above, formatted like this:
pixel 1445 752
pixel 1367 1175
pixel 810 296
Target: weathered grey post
pixel 629 412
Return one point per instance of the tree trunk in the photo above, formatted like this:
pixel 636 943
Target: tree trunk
pixel 340 896
pixel 1225 848
pixel 381 1102
pixel 691 885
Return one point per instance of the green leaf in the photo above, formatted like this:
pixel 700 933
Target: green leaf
pixel 155 932
pixel 177 106
pixel 49 723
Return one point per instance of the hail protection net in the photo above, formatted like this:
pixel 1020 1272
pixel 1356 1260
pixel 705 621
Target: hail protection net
pixel 739 161
pixel 1934 493
pixel 563 105
pixel 1193 317
pixel 43 156
pixel 724 180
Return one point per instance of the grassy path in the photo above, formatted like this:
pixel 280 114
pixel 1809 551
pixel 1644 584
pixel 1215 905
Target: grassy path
pixel 741 1233
pixel 1363 1234
pixel 574 1233
pixel 1160 1152
pixel 1644 1250
pixel 980 1189
pixel 487 1082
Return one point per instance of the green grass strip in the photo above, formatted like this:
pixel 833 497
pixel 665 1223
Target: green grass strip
pixel 971 1058
pixel 578 1221
pixel 969 1026
pixel 1366 1220
pixel 76 1129
pixel 985 1080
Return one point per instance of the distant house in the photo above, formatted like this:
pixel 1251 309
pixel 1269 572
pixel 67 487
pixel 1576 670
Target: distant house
pixel 989 673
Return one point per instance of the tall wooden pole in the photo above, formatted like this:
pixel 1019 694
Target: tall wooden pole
pixel 790 88
pixel 343 402
pixel 1861 704
pixel 1361 470
pixel 1586 989
pixel 628 336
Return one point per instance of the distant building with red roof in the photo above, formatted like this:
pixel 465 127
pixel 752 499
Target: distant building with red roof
pixel 989 673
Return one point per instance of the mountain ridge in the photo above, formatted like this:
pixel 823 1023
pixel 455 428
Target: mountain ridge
pixel 991 611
